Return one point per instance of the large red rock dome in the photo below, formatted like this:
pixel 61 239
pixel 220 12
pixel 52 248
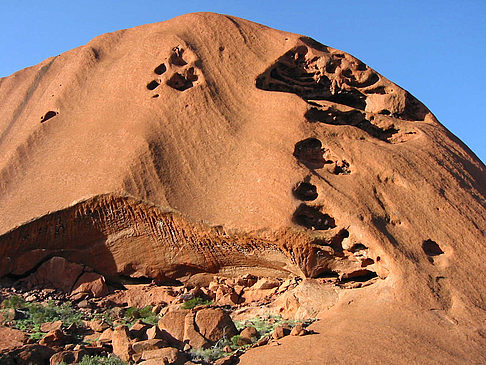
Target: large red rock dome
pixel 211 144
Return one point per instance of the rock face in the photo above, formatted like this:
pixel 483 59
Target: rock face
pixel 211 144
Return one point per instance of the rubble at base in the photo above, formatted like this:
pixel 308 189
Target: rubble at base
pixel 149 324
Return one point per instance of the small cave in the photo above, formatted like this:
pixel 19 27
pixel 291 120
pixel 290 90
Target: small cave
pixel 160 69
pixel 50 114
pixel 315 78
pixel 337 241
pixel 311 218
pixel 358 247
pixel 431 248
pixel 152 85
pixel 352 98
pixel 367 261
pixel 334 116
pixel 180 82
pixel 327 274
pixel 305 191
pixel 310 153
pixel 377 90
pixel 353 118
pixel 359 276
pixel 176 57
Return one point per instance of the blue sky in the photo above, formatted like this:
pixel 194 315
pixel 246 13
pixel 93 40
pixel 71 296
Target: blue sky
pixel 434 49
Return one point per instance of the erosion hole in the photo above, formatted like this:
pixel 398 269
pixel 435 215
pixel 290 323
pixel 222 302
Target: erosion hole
pixel 312 218
pixel 341 168
pixel 180 82
pixel 160 69
pixel 327 274
pixel 367 261
pixel 354 118
pixel 359 276
pixel 358 247
pixel 310 152
pixel 152 84
pixel 306 191
pixel 176 57
pixel 50 114
pixel 431 248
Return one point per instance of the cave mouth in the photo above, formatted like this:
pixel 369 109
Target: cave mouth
pixel 312 218
pixel 306 191
pixel 431 248
pixel 310 153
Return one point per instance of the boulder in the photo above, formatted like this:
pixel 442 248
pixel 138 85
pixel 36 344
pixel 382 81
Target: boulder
pixel 27 355
pixel 55 338
pixel 228 360
pixel 266 283
pixel 106 336
pixel 173 323
pixel 121 343
pixel 247 280
pixel 97 325
pixel 139 330
pixel 51 326
pixel 153 332
pixel 226 295
pixel 256 295
pixel 67 357
pixel 57 273
pixel 192 335
pixel 148 345
pixel 280 331
pixel 249 333
pixel 242 341
pixel 92 283
pixel 214 323
pixel 10 338
pixel 167 355
pixel 141 295
pixel 298 330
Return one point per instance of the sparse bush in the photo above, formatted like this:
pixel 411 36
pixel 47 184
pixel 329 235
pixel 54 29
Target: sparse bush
pixel 266 325
pixel 144 314
pixel 34 314
pixel 194 302
pixel 100 360
pixel 208 355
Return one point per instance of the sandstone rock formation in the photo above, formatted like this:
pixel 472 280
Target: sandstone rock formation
pixel 210 144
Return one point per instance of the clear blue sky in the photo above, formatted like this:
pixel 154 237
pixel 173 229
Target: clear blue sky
pixel 434 49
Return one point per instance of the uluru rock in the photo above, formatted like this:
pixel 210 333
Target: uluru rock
pixel 211 144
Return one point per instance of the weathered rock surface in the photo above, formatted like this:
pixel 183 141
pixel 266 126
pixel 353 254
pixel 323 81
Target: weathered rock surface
pixel 174 322
pixel 121 343
pixel 214 324
pixel 10 338
pixel 57 273
pixel 91 283
pixel 26 355
pixel 223 146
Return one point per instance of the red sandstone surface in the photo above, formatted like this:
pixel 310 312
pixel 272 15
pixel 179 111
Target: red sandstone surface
pixel 208 144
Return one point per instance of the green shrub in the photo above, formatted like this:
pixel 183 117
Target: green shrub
pixel 234 340
pixel 100 360
pixel 266 325
pixel 15 302
pixel 207 355
pixel 194 302
pixel 144 314
pixel 34 314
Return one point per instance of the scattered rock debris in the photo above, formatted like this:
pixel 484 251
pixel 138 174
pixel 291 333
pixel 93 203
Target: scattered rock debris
pixel 211 324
